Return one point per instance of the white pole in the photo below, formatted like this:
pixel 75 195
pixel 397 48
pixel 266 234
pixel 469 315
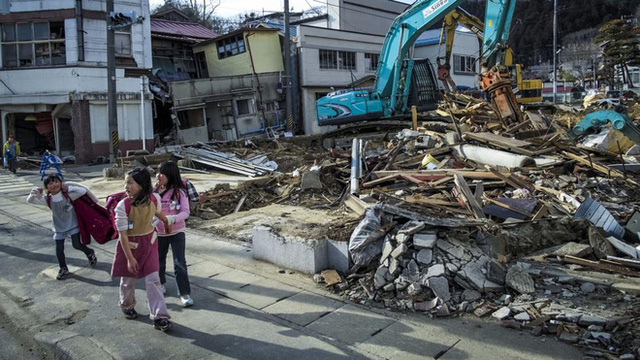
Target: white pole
pixel 555 44
pixel 142 122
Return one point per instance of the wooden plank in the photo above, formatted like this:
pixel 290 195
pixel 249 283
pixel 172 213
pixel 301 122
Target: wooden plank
pixel 603 266
pixel 355 204
pixel 601 168
pixel 419 174
pixel 380 180
pixel 513 145
pixel 418 199
pixel 465 191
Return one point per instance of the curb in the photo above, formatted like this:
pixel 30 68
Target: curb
pixel 67 345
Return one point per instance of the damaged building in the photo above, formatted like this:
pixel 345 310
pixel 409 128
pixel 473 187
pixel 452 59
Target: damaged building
pixel 53 88
pixel 243 94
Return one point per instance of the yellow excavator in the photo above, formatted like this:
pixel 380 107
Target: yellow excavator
pixel 526 90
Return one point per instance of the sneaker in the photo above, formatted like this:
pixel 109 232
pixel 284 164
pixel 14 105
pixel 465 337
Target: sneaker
pixel 62 273
pixel 186 300
pixel 162 324
pixel 164 289
pixel 130 314
pixel 93 259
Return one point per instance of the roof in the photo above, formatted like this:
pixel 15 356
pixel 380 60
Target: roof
pixel 179 29
pixel 170 11
pixel 234 33
pixel 293 30
pixel 310 19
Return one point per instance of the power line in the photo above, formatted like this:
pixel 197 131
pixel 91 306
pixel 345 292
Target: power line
pixel 357 11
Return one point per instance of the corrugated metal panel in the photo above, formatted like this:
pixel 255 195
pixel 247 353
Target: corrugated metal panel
pixel 177 28
pixel 600 217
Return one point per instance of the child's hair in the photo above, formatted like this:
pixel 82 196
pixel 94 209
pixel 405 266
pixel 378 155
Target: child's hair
pixel 143 178
pixel 51 178
pixel 174 181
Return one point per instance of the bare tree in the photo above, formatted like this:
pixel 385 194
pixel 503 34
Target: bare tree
pixel 203 9
pixel 580 54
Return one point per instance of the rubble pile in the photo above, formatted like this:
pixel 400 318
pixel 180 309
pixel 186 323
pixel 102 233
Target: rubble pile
pixel 520 223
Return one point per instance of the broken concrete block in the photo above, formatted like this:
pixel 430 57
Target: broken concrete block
pixel 311 180
pixel 519 280
pixel 426 305
pixel 426 240
pixel 435 270
pixel 569 337
pixel 586 320
pixel 482 310
pixel 523 316
pixel 471 276
pixel 442 310
pixel 601 247
pixel 440 287
pixel 389 287
pixel 502 313
pixel 400 286
pixel 452 268
pixel 588 287
pixel 379 278
pixel 572 249
pixel 413 270
pixel 394 266
pixel 425 256
pixel 387 248
pixel 402 238
pixel 496 272
pixel 399 251
pixel 385 263
pixel 471 295
pixel 414 289
pixel 624 248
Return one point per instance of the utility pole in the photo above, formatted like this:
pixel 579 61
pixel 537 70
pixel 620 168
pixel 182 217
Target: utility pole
pixel 555 47
pixel 111 85
pixel 287 69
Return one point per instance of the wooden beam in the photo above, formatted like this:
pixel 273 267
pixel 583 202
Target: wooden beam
pixel 465 191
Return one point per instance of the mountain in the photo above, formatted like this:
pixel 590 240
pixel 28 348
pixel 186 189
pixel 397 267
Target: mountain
pixel 532 27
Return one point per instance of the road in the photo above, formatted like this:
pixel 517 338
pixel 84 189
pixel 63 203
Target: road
pixel 245 309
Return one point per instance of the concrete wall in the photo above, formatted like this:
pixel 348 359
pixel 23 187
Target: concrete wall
pixel 315 80
pixel 265 49
pixel 366 16
pixel 83 83
pixel 465 43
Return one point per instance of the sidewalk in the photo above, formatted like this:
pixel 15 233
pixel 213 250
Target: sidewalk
pixel 244 309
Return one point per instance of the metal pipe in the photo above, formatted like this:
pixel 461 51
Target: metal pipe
pixel 80 30
pixel 355 160
pixel 112 108
pixel 555 45
pixel 142 122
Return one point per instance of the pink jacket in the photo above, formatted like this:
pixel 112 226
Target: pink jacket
pixel 176 210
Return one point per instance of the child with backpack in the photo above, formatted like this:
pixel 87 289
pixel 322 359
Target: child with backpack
pixel 136 254
pixel 175 203
pixel 59 199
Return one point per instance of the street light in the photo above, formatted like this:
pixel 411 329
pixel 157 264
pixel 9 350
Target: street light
pixel 555 46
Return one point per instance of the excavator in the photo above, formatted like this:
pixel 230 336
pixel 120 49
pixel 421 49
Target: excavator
pixel 402 82
pixel 528 91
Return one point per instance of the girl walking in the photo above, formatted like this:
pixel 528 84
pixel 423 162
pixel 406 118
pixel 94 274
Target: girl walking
pixel 65 221
pixel 136 254
pixel 175 204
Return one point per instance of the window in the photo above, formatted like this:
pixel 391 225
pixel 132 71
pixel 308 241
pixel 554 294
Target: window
pixel 230 46
pixel 201 65
pixel 243 107
pixel 464 64
pixel 371 62
pixel 122 42
pixel 340 60
pixel 33 44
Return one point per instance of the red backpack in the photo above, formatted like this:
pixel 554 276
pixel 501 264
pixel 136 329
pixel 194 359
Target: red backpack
pixel 93 220
pixel 112 202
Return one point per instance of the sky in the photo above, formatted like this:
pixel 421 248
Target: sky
pixel 230 8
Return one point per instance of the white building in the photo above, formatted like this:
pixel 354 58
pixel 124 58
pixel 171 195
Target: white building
pixel 53 76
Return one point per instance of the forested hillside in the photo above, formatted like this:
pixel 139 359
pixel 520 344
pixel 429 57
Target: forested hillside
pixel 532 29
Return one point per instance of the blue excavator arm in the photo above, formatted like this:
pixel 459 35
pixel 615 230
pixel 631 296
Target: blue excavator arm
pixel 597 119
pixel 389 95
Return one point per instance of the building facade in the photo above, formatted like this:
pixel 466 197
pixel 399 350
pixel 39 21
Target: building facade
pixel 53 77
pixel 242 96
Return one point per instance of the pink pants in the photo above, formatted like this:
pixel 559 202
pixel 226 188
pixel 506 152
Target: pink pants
pixel 155 298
